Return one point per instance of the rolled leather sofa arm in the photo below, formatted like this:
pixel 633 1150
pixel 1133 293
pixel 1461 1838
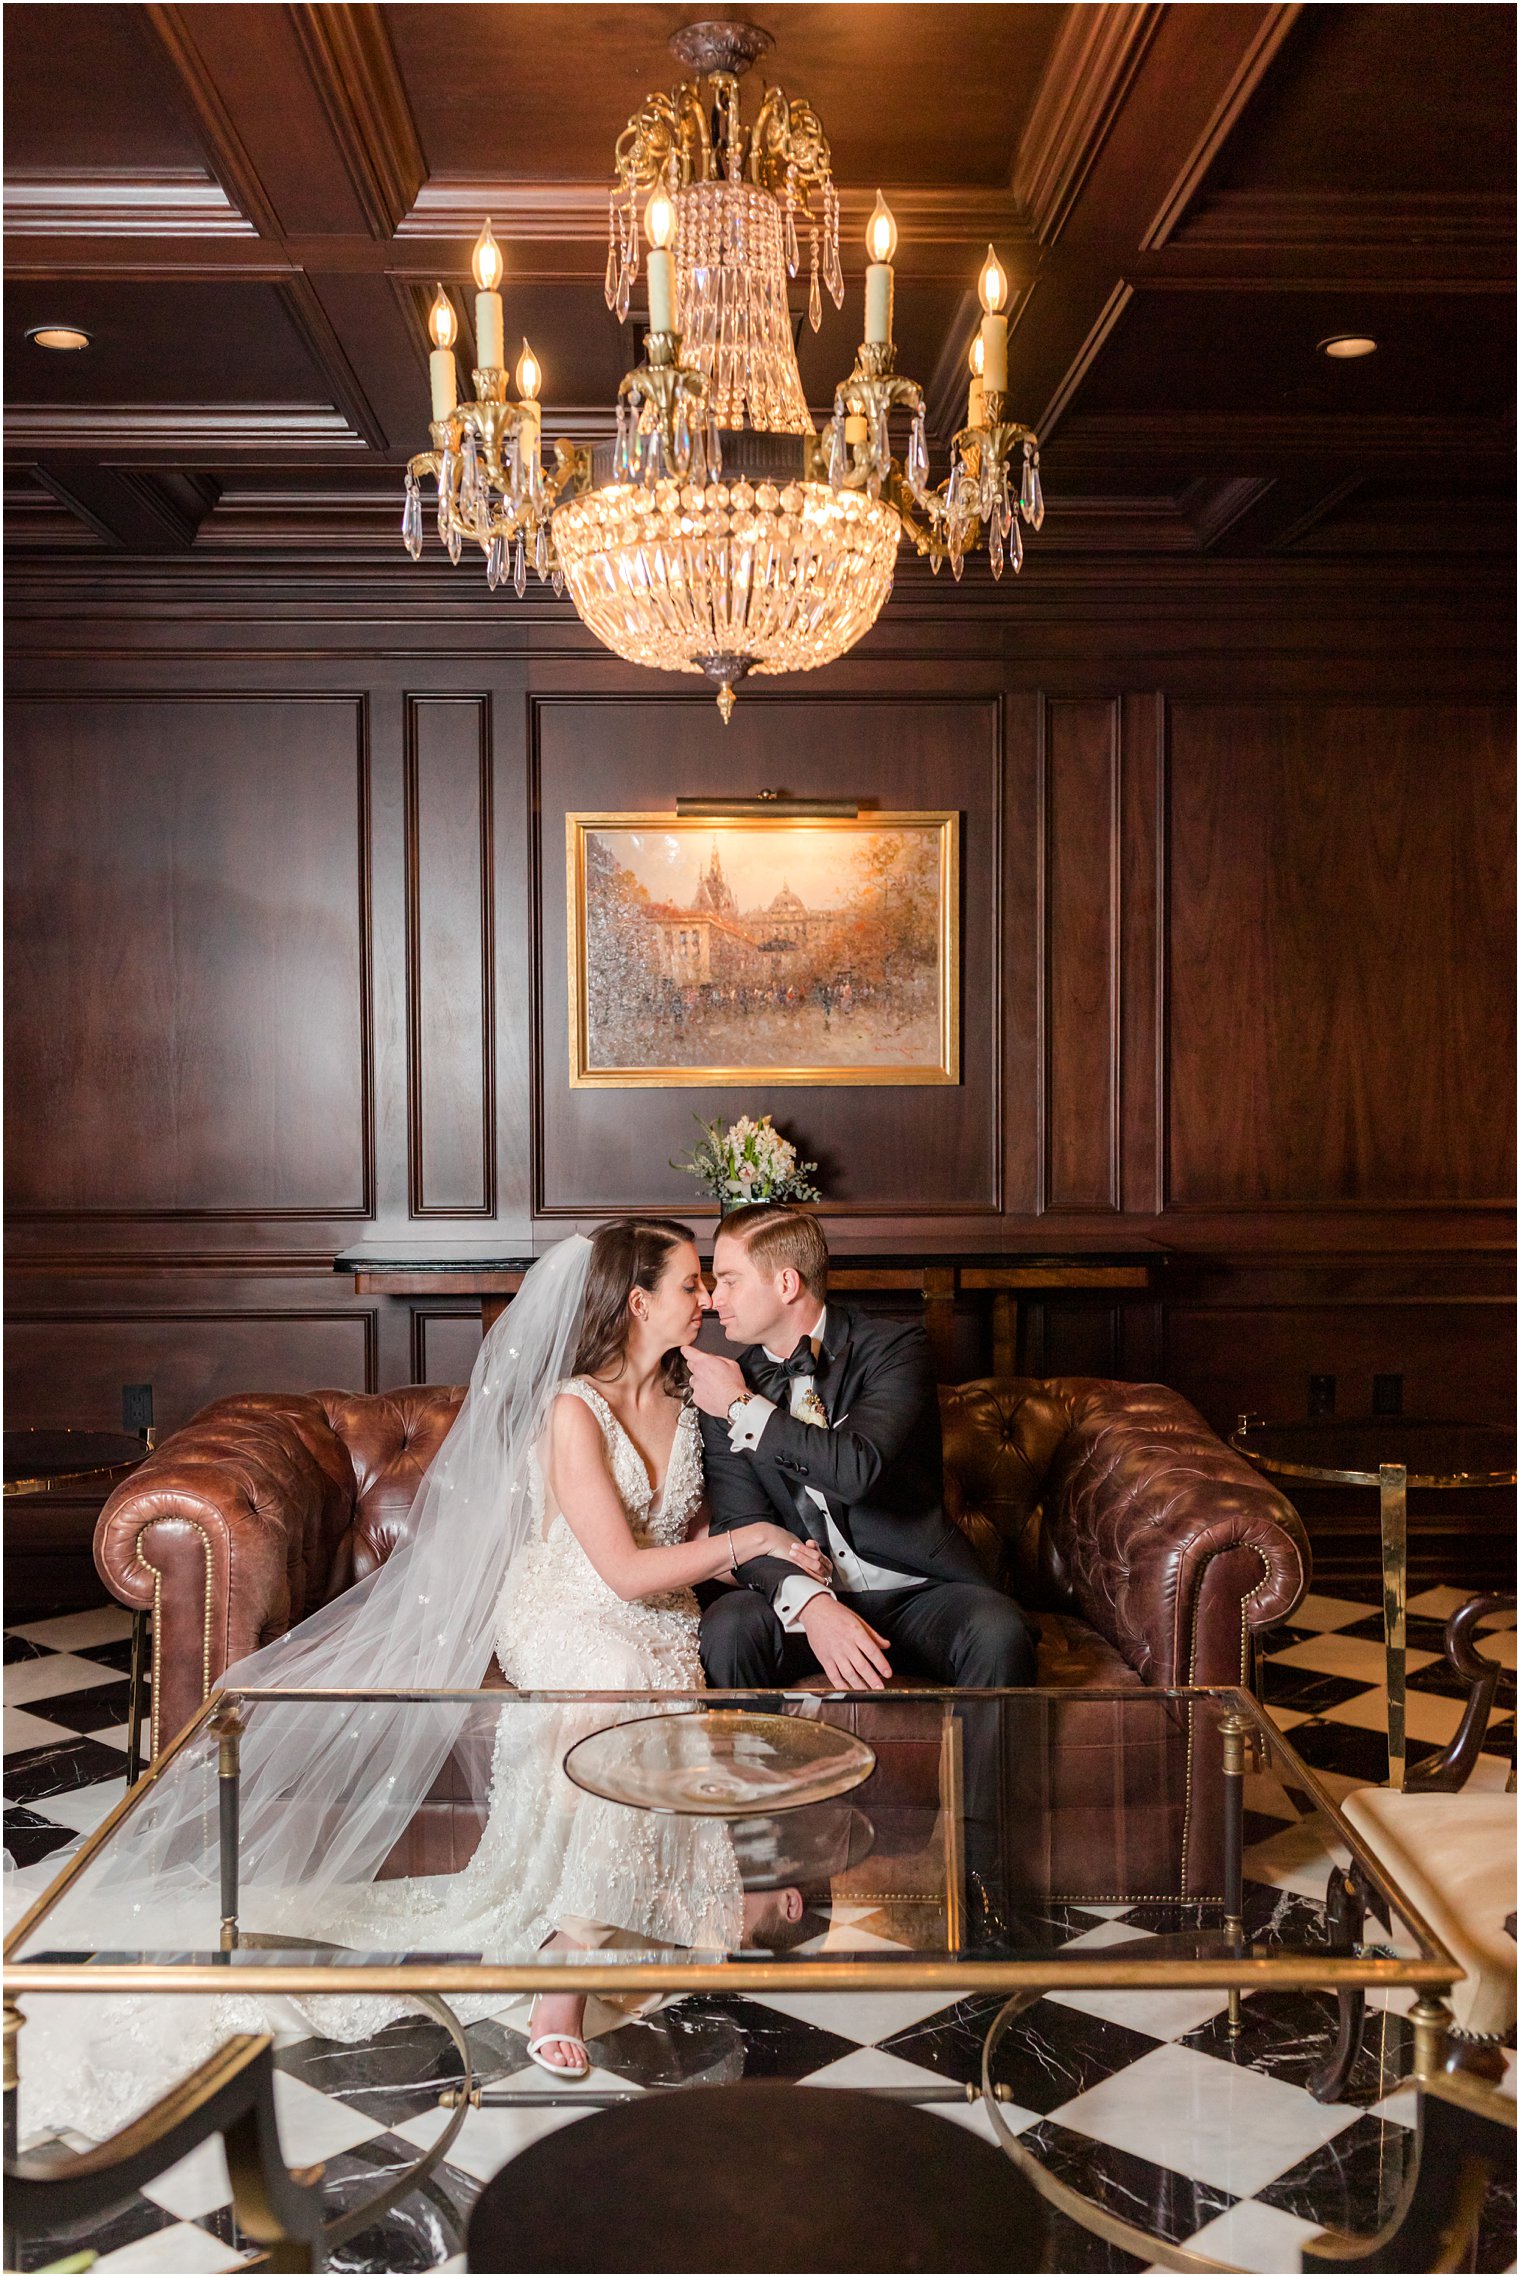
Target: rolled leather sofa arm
pixel 226 1532
pixel 1165 1538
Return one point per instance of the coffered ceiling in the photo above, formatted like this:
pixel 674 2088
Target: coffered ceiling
pixel 247 208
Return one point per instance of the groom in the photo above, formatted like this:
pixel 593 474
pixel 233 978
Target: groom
pixel 829 1420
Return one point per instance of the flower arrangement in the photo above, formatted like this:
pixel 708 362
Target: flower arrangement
pixel 748 1162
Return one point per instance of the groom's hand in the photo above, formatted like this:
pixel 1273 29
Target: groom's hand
pixel 716 1382
pixel 848 1650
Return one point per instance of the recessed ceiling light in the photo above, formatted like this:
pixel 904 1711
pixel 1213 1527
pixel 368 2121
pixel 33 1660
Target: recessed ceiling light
pixel 58 336
pixel 1345 346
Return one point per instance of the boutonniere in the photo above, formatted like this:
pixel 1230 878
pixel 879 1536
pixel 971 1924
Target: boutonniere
pixel 812 1410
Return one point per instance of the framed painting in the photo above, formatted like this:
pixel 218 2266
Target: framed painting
pixel 763 950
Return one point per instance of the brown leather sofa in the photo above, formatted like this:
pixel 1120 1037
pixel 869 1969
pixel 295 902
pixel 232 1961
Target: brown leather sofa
pixel 1150 1552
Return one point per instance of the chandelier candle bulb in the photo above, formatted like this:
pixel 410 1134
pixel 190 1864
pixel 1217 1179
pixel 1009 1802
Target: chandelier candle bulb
pixel 444 327
pixel 976 394
pixel 529 380
pixel 659 228
pixel 490 336
pixel 993 287
pixel 881 244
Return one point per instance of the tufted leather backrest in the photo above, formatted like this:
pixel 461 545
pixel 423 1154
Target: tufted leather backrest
pixel 1001 1439
pixel 391 1438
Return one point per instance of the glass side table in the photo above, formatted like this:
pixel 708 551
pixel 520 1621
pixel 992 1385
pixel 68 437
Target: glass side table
pixel 1392 1453
pixel 71 1462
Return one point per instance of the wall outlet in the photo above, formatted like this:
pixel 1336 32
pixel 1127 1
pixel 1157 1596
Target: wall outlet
pixel 137 1407
pixel 1322 1395
pixel 1387 1395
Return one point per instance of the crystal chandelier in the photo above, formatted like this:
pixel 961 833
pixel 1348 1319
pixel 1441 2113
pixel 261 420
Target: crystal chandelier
pixel 717 531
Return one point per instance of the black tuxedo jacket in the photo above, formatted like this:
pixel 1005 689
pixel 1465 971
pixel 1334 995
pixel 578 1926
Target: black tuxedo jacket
pixel 879 1465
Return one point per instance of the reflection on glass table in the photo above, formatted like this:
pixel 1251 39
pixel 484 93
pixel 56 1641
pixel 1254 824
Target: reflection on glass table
pixel 980 1820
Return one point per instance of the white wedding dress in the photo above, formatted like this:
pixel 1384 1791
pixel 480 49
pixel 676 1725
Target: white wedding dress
pixel 551 1856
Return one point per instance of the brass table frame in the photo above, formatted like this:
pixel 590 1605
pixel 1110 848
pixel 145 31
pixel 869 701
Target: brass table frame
pixel 1393 1481
pixel 1222 1959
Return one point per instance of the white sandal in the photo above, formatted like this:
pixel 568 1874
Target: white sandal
pixel 582 2070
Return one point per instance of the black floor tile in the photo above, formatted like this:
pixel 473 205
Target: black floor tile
pixel 38 1772
pixel 1350 2183
pixel 1496 2227
pixel 425 2228
pixel 1307 1689
pixel 115 1655
pixel 1274 1916
pixel 1344 1748
pixel 1289 2034
pixel 1048 2054
pixel 1157 2200
pixel 1441 1677
pixel 771 2045
pixel 1421 1633
pixel 29 1836
pixel 398 2073
pixel 97 1708
pixel 139 2218
pixel 22 1648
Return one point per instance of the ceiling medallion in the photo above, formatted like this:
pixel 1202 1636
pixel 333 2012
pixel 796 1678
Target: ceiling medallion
pixel 717 531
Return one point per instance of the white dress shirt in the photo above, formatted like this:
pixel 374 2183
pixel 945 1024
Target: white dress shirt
pixel 854 1574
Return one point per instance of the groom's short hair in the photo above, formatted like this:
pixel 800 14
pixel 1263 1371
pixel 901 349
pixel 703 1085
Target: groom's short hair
pixel 777 1235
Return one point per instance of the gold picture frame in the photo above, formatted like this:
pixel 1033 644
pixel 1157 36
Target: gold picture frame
pixel 856 981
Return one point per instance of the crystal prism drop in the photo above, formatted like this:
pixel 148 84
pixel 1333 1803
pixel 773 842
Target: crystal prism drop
pixel 620 457
pixel 957 564
pixel 1026 487
pixel 467 478
pixel 815 297
pixel 934 562
pixel 1015 544
pixel 609 282
pixel 496 562
pixel 918 458
pixel 620 298
pixel 714 452
pixel 558 581
pixel 520 569
pixel 682 439
pixel 995 542
pixel 837 457
pixel 792 255
pixel 883 435
pixel 1038 515
pixel 541 552
pixel 455 545
pixel 411 521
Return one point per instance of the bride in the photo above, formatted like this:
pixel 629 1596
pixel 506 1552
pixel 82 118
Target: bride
pixel 561 1526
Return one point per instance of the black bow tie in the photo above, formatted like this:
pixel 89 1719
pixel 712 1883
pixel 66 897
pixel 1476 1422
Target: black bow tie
pixel 803 1362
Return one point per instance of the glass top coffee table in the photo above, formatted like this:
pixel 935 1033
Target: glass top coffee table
pixel 938 1839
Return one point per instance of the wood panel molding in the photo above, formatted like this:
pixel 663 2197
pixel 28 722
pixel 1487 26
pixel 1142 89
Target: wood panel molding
pixel 1096 54
pixel 1412 223
pixel 148 201
pixel 450 958
pixel 229 157
pixel 353 68
pixel 1081 1011
pixel 1275 25
pixel 1086 356
pixel 183 433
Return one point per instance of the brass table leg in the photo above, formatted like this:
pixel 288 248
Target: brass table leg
pixel 1393 1501
pixel 1234 1732
pixel 228 1727
pixel 13 2023
pixel 1431 2019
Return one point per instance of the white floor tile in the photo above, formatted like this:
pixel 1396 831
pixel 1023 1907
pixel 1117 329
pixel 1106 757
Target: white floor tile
pixel 1361 1657
pixel 1403 2107
pixel 490 2138
pixel 863 2016
pixel 974 2117
pixel 1439 1604
pixel 76 1632
pixel 1265 1794
pixel 315 2126
pixel 1499 1645
pixel 1325 1613
pixel 1504 1620
pixel 1254 2236
pixel 1427 1715
pixel 1215 2121
pixel 167 2253
pixel 1164 2015
pixel 1490 1773
pixel 1296 1859
pixel 1106 1933
pixel 1286 1718
pixel 54 1673
pixel 83 1808
pixel 198 2185
pixel 23 1730
pixel 873 2067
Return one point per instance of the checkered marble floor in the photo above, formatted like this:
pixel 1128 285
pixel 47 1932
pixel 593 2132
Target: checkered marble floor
pixel 1141 2101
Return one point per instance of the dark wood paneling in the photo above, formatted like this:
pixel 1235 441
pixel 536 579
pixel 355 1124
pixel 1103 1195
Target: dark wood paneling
pixel 445 1345
pixel 1082 856
pixel 188 958
pixel 450 885
pixel 66 1371
pixel 908 1150
pixel 1341 949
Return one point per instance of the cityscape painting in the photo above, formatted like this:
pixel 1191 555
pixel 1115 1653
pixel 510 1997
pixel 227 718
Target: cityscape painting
pixel 763 950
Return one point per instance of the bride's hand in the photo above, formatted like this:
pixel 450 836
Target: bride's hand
pixel 763 1540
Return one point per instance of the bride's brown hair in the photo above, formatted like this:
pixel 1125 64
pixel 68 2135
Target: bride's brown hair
pixel 628 1254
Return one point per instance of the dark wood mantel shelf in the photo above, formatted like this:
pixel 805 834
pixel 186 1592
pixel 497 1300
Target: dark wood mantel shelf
pixel 492 1270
